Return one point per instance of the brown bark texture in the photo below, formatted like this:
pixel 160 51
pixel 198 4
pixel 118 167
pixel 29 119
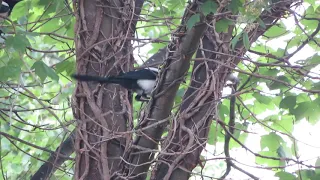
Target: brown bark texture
pixel 103 111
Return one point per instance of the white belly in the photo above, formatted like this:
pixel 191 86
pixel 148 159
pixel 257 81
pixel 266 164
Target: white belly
pixel 147 85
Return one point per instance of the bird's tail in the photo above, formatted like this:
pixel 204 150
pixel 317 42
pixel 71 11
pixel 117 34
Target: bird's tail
pixel 96 78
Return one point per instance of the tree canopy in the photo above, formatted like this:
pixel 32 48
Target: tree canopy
pixel 261 123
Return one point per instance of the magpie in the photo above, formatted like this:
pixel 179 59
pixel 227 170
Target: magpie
pixel 140 81
pixel 4 13
pixel 5 10
pixel 6 7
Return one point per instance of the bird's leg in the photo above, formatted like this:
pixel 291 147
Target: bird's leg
pixel 145 97
pixel 142 98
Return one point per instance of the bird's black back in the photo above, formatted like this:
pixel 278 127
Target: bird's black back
pixel 128 80
pixel 139 74
pixel 4 10
pixel 11 4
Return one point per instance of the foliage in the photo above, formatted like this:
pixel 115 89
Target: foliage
pixel 279 89
pixel 36 61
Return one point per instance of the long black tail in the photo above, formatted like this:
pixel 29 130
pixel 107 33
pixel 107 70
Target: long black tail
pixel 96 78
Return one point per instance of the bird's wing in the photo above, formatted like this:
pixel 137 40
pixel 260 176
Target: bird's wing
pixel 139 74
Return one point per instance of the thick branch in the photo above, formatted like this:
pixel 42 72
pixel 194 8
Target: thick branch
pixel 54 161
pixel 103 48
pixel 200 100
pixel 160 106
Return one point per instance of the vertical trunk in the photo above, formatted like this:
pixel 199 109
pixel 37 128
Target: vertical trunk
pixel 103 48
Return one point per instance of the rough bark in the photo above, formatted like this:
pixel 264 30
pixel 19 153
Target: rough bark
pixel 188 137
pixel 158 111
pixel 103 48
pixel 67 147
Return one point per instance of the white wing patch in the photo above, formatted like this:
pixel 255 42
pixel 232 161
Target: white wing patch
pixel 152 69
pixel 4 11
pixel 4 3
pixel 147 85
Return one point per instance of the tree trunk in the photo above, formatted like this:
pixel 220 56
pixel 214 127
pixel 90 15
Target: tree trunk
pixel 102 110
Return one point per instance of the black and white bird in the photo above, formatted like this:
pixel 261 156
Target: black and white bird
pixel 140 81
pixel 5 11
pixel 6 7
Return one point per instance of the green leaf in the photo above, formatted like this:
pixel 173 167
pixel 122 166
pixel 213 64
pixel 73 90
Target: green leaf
pixel 5 144
pixel 235 40
pixel 51 25
pixel 215 133
pixel 237 131
pixel 260 48
pixel 272 141
pixel 285 176
pixel 285 124
pixel 67 66
pixel 311 24
pixel 261 23
pixel 268 71
pixel 15 61
pixel 300 110
pixel 246 41
pixel 281 152
pixel 288 102
pixel 223 111
pixel 43 71
pixel 315 177
pixel 31 36
pixel 175 4
pixel 317 164
pixel 306 174
pixel 279 53
pixel 311 2
pixel 21 8
pixel 239 134
pixel 53 6
pixel 312 61
pixel 70 28
pixel 262 99
pixel 295 41
pixel 308 110
pixel 40 69
pixel 223 25
pixel 279 85
pixel 180 92
pixel 13 70
pixel 276 31
pixel 308 83
pixel 265 161
pixel 193 20
pixel 19 42
pixel 16 166
pixel 209 7
pixel 303 97
pixel 9 71
pixel 22 20
pixel 235 5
